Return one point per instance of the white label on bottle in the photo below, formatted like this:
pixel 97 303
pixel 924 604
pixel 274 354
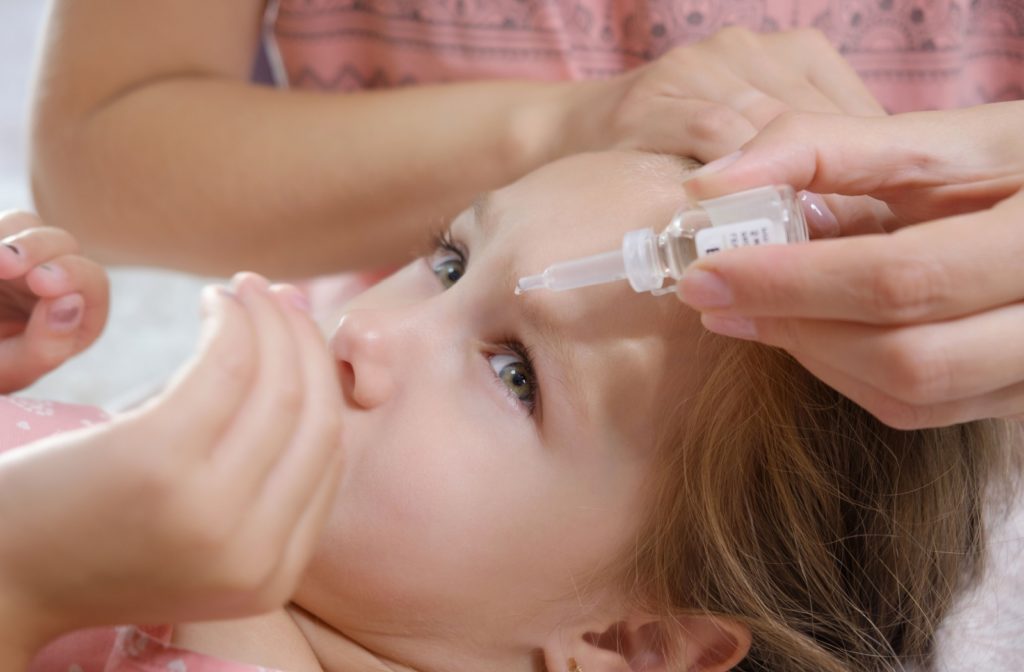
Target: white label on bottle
pixel 742 234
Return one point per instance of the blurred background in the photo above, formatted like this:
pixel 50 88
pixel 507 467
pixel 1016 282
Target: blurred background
pixel 154 316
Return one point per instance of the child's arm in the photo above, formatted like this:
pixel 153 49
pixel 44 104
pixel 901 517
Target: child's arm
pixel 53 302
pixel 206 503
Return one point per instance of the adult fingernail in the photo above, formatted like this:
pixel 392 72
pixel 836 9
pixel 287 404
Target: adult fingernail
pixel 704 289
pixel 65 313
pixel 819 216
pixel 736 327
pixel 717 164
pixel 13 248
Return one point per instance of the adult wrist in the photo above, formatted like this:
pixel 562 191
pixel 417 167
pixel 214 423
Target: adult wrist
pixel 560 119
pixel 18 639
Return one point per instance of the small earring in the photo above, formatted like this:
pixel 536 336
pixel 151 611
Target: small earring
pixel 574 666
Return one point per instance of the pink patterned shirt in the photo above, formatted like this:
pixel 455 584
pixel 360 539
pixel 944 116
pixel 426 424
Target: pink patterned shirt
pixel 913 54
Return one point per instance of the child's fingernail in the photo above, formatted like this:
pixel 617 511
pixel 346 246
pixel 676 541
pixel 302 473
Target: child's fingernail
pixel 736 327
pixel 292 296
pixel 717 164
pixel 52 270
pixel 704 289
pixel 65 313
pixel 819 216
pixel 251 280
pixel 209 297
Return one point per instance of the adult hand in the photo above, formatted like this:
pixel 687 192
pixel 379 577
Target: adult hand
pixel 921 326
pixel 706 99
pixel 205 503
pixel 53 302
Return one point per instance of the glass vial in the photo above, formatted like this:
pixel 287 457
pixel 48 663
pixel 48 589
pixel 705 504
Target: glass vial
pixel 764 216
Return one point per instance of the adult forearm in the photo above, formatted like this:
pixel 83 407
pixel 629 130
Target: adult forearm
pixel 212 175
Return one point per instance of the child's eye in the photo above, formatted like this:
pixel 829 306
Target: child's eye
pixel 516 374
pixel 448 261
pixel 448 271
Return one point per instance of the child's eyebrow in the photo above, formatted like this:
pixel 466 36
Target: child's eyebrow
pixel 483 214
pixel 562 362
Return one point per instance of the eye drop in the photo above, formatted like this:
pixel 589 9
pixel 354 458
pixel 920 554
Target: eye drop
pixel 763 216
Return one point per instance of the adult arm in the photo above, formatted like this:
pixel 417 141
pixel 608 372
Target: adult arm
pixel 151 143
pixel 920 326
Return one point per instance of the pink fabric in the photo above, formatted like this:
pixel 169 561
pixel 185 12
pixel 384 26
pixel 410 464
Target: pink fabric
pixel 128 649
pixel 25 420
pixel 913 54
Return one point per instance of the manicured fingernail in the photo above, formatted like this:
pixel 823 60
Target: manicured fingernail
pixel 717 164
pixel 704 289
pixel 819 216
pixel 65 313
pixel 292 295
pixel 736 327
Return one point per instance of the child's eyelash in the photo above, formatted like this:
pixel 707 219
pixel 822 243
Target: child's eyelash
pixel 445 241
pixel 525 354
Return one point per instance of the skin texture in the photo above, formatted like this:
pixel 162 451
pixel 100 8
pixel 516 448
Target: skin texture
pixel 912 325
pixel 466 533
pixel 150 143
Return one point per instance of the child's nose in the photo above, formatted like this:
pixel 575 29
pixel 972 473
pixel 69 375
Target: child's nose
pixel 365 344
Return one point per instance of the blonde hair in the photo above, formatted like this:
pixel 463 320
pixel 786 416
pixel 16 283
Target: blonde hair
pixel 840 542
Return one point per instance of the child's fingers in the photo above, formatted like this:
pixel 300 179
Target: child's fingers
pixel 267 421
pixel 23 250
pixel 207 393
pixel 16 221
pixel 74 274
pixel 303 470
pixel 48 340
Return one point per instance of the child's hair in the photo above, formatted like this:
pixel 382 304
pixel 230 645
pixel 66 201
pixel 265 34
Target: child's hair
pixel 840 542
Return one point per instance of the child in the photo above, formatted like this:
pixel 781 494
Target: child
pixel 581 481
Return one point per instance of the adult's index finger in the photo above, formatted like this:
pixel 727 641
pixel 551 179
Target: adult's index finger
pixel 922 273
pixel 831 154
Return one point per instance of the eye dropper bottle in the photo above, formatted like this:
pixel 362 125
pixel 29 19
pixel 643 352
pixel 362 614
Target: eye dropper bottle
pixel 762 216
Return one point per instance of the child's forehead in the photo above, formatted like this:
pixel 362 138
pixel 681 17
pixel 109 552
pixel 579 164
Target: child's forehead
pixel 578 206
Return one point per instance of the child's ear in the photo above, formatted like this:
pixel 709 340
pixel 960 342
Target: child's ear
pixel 639 644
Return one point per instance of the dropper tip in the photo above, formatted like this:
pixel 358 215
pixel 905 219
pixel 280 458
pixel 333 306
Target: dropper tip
pixel 529 282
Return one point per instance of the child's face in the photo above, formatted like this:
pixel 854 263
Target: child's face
pixel 479 496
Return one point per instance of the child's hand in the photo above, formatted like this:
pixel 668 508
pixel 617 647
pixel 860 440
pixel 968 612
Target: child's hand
pixel 53 303
pixel 206 503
